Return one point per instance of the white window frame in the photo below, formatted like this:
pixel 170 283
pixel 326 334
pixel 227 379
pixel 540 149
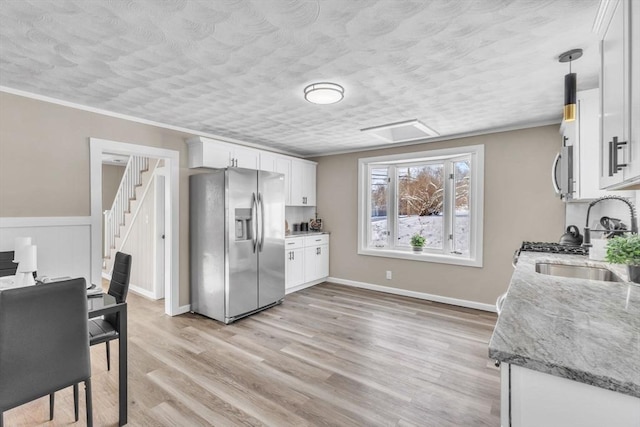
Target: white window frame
pixel 476 205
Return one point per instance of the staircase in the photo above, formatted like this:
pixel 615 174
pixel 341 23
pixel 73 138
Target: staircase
pixel 133 187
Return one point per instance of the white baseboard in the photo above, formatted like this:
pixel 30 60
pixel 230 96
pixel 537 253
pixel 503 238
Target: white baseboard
pixel 143 292
pixel 414 294
pixel 182 309
pixel 304 286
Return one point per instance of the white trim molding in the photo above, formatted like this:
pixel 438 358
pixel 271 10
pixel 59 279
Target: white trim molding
pixel 97 147
pixel 44 221
pixel 304 286
pixel 414 294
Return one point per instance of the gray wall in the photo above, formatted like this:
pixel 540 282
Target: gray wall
pixel 111 177
pixel 44 162
pixel 519 205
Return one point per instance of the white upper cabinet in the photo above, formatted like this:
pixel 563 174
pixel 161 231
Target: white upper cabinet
pixel 247 158
pixel 209 153
pixel 583 135
pixel 272 162
pixel 299 175
pixel 619 28
pixel 303 183
pixel 283 166
pixel 268 161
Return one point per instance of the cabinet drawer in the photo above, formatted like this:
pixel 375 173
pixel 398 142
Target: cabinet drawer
pixel 293 243
pixel 315 240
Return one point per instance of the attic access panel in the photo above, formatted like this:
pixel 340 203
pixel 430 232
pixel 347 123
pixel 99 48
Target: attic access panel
pixel 410 130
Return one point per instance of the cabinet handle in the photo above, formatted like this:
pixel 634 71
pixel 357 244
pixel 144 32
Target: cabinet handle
pixel 614 146
pixel 293 256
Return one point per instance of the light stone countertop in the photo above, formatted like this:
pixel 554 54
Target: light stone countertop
pixel 304 233
pixel 583 330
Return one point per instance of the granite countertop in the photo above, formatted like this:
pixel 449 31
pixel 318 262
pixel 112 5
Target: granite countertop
pixel 304 233
pixel 583 330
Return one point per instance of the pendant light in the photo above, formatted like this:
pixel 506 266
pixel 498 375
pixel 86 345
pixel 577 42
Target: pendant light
pixel 570 85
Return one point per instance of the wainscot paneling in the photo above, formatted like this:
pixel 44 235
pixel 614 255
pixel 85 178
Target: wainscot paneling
pixel 64 243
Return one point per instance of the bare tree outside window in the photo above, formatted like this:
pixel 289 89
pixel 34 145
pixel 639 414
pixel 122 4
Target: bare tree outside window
pixel 420 204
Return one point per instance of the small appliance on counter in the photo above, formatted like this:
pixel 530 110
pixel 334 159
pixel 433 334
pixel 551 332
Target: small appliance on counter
pixel 315 224
pixel 572 237
pixel 304 226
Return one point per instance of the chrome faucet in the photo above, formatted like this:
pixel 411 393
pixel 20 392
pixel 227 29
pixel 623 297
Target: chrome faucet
pixel 632 209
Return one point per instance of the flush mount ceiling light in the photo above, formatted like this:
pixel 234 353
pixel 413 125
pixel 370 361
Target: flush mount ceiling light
pixel 324 93
pixel 570 85
pixel 409 130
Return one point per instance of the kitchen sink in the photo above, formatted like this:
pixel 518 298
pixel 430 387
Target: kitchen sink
pixel 577 271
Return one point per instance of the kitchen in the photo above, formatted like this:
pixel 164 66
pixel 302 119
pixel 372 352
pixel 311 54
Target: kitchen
pixel 518 200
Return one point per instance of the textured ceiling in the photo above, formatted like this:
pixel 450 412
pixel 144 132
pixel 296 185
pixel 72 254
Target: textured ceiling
pixel 237 68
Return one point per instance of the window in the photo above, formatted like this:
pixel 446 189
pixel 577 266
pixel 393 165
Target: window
pixel 437 194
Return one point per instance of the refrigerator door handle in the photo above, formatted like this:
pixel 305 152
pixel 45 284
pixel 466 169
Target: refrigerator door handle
pixel 261 243
pixel 254 221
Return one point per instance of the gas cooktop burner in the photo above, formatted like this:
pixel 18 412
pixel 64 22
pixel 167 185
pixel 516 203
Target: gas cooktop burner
pixel 554 248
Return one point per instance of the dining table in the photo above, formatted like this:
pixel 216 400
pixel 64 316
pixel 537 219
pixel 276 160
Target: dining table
pixel 98 305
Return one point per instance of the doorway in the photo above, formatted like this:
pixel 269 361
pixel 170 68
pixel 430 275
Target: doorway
pixel 170 244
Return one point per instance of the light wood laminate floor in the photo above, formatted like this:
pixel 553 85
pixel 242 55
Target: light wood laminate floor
pixel 330 355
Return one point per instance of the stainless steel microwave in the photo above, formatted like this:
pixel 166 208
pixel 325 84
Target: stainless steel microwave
pixel 562 173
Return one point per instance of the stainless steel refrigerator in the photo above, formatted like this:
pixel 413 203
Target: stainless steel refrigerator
pixel 236 236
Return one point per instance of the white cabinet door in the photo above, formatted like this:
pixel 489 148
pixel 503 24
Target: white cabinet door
pixel 615 96
pixel 246 158
pixel 316 262
pixel 283 166
pixel 268 161
pixel 209 154
pixel 311 256
pixel 309 184
pixel 294 274
pixel 303 183
pixel 539 399
pixel 297 176
pixel 323 262
pixel 583 135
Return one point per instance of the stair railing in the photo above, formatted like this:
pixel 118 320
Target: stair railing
pixel 114 217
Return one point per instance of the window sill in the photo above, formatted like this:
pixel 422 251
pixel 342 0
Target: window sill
pixel 422 256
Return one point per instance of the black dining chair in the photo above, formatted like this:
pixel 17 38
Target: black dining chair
pixel 106 329
pixel 7 266
pixel 44 344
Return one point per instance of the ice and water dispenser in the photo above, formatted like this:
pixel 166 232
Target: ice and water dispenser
pixel 244 225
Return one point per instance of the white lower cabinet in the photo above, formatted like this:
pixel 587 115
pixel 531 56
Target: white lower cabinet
pixel 306 260
pixel 532 399
pixel 294 262
pixel 316 257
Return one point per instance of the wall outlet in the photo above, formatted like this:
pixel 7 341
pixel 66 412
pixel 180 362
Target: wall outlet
pixel 389 275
